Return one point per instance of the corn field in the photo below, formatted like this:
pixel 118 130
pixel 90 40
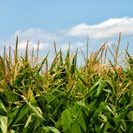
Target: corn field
pixel 62 97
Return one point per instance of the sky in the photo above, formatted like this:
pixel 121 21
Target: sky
pixel 65 21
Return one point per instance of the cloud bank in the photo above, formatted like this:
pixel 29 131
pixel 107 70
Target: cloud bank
pixel 76 34
pixel 108 28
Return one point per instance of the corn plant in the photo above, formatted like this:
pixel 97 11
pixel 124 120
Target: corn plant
pixel 64 97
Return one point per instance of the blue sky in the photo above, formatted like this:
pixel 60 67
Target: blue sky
pixel 65 21
pixel 56 14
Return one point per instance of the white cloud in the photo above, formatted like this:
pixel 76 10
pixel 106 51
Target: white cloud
pixel 36 34
pixel 108 28
pixel 76 34
pixel 22 45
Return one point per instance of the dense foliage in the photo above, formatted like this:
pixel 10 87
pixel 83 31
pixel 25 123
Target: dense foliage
pixel 63 97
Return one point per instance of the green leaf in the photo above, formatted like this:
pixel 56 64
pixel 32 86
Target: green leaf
pixel 52 129
pixel 23 111
pixel 101 86
pixel 103 117
pixel 3 123
pixel 28 121
pixel 130 115
pixel 18 114
pixel 36 110
pixel 3 110
pixel 82 104
pixel 76 128
pixel 66 120
pixel 81 121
